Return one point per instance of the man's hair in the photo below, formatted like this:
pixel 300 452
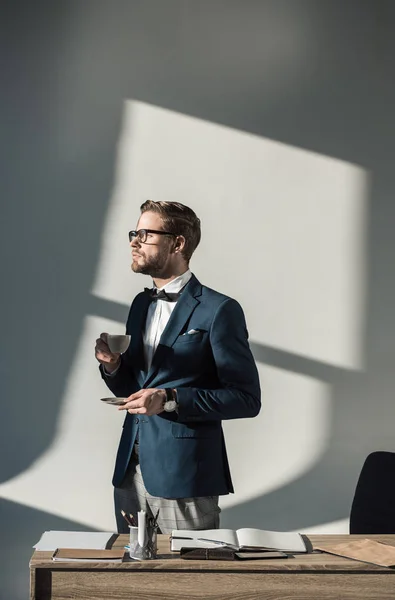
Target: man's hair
pixel 178 219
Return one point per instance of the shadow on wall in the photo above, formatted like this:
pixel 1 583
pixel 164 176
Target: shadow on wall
pixel 223 63
pixel 21 528
pixel 322 494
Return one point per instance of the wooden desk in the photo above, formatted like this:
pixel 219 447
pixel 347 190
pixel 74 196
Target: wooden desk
pixel 309 576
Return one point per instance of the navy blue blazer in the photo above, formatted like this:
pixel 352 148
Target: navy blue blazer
pixel 183 455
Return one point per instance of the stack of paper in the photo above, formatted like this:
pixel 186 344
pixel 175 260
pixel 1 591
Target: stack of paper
pixel 91 540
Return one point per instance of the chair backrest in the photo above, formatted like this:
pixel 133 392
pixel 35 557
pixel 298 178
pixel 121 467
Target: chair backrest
pixel 373 507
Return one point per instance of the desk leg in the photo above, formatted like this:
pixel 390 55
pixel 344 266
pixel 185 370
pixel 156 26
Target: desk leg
pixel 40 584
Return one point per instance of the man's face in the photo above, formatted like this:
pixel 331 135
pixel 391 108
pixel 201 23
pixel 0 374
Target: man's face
pixel 154 255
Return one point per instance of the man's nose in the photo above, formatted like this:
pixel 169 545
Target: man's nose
pixel 135 243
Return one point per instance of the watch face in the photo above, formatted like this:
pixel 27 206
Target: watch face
pixel 170 405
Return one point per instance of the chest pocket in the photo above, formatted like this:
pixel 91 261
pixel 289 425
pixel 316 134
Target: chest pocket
pixel 190 338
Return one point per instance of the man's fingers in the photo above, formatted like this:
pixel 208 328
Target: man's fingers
pixel 102 344
pixel 136 395
pixel 134 410
pixel 138 411
pixel 103 353
pixel 136 403
pixel 104 349
pixel 133 404
pixel 104 337
pixel 104 356
pixel 144 402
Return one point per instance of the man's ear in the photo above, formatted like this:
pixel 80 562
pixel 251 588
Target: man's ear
pixel 179 244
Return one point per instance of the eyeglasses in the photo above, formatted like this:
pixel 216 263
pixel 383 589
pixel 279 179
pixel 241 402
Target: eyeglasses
pixel 142 234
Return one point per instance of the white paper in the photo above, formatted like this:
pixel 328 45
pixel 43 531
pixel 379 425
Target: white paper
pixel 89 540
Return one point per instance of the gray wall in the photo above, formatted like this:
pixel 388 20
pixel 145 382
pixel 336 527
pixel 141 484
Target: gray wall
pixel 317 75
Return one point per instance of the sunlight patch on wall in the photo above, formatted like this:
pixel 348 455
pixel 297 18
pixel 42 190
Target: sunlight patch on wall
pixel 283 228
pixel 72 479
pixel 287 438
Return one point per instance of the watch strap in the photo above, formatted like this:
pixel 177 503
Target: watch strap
pixel 169 394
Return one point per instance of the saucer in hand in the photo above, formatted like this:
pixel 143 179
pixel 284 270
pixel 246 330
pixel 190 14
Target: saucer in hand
pixel 114 401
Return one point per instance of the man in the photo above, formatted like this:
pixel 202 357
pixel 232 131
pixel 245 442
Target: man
pixel 188 367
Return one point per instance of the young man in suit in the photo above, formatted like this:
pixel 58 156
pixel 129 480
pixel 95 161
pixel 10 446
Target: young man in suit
pixel 188 367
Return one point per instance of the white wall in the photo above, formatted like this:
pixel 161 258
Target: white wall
pixel 274 121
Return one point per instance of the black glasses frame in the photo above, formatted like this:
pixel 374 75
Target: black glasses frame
pixel 141 234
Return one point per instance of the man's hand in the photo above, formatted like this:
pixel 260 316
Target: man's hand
pixel 103 354
pixel 145 402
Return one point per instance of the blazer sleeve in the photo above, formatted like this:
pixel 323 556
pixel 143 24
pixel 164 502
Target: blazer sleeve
pixel 239 394
pixel 123 382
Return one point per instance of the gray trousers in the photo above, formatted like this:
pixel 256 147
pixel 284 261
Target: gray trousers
pixel 179 513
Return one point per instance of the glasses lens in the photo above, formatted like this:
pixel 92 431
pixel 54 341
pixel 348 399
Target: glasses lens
pixel 141 235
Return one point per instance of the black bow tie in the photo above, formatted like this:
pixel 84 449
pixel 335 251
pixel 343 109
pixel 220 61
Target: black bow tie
pixel 156 294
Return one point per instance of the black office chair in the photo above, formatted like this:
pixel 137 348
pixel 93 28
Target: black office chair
pixel 373 507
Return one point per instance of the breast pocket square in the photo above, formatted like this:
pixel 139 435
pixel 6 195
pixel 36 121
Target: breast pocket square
pixel 192 332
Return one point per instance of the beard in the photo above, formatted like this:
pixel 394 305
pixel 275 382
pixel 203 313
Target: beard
pixel 153 265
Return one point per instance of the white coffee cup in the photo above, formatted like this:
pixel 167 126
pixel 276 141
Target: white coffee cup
pixel 118 344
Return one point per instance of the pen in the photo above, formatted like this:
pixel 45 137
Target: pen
pixel 218 543
pixel 178 537
pixel 125 516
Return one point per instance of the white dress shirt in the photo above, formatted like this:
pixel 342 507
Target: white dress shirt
pixel 158 315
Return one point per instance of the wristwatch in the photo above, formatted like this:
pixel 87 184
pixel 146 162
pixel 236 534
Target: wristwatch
pixel 170 404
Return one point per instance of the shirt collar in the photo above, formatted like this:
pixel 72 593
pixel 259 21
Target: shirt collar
pixel 176 284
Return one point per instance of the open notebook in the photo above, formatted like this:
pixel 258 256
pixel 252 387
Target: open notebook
pixel 241 539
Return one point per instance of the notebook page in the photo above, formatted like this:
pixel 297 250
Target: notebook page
pixel 279 540
pixel 195 538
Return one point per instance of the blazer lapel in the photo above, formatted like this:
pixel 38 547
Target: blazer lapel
pixel 180 315
pixel 135 329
